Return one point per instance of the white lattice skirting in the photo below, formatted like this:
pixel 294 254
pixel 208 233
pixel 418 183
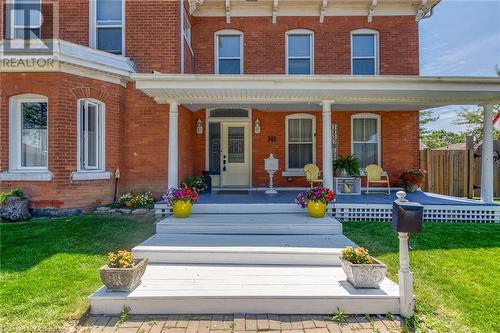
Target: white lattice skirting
pixel 432 213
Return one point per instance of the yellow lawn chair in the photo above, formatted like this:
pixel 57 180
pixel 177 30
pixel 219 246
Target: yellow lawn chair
pixel 313 174
pixel 374 175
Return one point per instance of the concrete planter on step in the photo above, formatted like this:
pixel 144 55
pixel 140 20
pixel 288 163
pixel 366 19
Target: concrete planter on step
pixel 123 279
pixel 365 275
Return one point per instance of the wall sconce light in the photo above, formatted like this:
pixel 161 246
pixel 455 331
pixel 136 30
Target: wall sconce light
pixel 199 126
pixel 257 126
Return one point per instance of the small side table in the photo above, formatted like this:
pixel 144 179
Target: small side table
pixel 354 184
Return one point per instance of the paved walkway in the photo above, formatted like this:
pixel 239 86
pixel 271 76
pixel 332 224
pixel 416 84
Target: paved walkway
pixel 239 324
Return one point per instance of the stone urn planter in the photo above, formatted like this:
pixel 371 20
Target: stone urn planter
pixel 123 279
pixel 15 209
pixel 365 275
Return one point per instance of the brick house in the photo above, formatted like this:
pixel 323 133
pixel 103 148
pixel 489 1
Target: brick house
pixel 165 89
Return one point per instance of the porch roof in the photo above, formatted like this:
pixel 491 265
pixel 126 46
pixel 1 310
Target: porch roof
pixel 284 92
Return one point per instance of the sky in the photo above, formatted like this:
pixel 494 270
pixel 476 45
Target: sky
pixel 462 38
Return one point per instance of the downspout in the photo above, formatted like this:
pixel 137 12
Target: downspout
pixel 181 11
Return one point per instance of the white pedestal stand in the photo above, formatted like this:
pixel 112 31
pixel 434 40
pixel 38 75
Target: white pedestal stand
pixel 271 165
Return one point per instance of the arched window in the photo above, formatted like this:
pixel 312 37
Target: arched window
pixel 300 52
pixel 300 141
pixel 229 52
pixel 91 135
pixel 365 138
pixel 365 52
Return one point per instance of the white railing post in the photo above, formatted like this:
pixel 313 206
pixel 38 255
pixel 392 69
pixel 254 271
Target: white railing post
pixel 173 144
pixel 406 297
pixel 327 145
pixel 487 155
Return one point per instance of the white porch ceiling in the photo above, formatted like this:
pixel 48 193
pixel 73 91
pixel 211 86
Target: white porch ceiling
pixel 300 93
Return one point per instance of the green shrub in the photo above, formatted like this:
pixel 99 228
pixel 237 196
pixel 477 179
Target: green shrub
pixel 195 182
pixel 348 164
pixel 14 193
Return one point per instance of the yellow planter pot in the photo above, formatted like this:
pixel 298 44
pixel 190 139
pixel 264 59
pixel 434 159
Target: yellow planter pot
pixel 182 209
pixel 316 209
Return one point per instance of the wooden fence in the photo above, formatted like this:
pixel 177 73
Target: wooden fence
pixel 455 172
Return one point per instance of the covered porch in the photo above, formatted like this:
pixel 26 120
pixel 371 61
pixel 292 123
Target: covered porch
pixel 325 99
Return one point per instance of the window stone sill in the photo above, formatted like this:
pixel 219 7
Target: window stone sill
pixel 293 173
pixel 90 175
pixel 36 176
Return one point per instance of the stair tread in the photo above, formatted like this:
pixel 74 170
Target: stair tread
pixel 252 219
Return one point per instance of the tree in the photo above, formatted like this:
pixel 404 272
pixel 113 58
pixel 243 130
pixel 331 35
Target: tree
pixel 426 117
pixel 441 138
pixel 473 120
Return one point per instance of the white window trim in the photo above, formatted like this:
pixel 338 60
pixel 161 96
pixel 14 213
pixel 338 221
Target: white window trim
pixel 299 172
pixel 93 25
pixel 15 135
pixel 102 132
pixel 379 133
pixel 228 32
pixel 376 35
pixel 10 18
pixel 311 49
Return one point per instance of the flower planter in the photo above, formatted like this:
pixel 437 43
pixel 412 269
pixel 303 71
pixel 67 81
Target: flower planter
pixel 15 209
pixel 182 208
pixel 316 209
pixel 365 275
pixel 123 279
pixel 411 188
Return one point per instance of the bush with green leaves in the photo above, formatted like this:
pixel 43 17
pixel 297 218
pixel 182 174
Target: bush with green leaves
pixel 13 193
pixel 349 164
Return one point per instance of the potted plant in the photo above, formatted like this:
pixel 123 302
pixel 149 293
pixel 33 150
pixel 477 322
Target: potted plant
pixel 122 273
pixel 346 166
pixel 316 200
pixel 362 270
pixel 181 199
pixel 14 205
pixel 411 180
pixel 196 183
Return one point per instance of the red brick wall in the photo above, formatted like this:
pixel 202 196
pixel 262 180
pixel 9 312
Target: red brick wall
pixel 264 42
pixel 63 91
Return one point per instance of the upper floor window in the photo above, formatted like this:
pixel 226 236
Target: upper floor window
pixel 364 48
pixel 299 52
pixel 90 135
pixel 106 25
pixel 25 19
pixel 300 141
pixel 28 132
pixel 229 52
pixel 366 138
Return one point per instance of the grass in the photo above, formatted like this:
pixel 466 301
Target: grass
pixel 49 266
pixel 455 269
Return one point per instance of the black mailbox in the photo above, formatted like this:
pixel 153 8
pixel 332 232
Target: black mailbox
pixel 407 217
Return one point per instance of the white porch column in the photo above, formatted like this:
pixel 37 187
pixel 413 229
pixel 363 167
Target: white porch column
pixel 173 144
pixel 327 145
pixel 487 155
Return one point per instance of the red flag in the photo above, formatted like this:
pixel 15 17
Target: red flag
pixel 496 122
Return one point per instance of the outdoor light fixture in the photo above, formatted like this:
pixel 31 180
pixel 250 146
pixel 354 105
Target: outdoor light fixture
pixel 199 126
pixel 257 126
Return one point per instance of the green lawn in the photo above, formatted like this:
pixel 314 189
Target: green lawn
pixel 49 267
pixel 456 271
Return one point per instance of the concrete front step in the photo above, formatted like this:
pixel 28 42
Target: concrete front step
pixel 243 249
pixel 223 289
pixel 250 224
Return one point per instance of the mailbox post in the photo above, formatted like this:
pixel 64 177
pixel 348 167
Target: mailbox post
pixel 271 166
pixel 406 218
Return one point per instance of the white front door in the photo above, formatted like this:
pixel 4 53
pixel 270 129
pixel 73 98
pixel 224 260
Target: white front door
pixel 235 154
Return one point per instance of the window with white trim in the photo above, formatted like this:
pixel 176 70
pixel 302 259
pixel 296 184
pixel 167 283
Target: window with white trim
pixel 229 52
pixel 366 138
pixel 28 133
pixel 300 141
pixel 107 32
pixel 364 49
pixel 299 52
pixel 91 148
pixel 25 19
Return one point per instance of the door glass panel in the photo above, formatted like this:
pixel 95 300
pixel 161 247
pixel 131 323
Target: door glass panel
pixel 214 148
pixel 236 145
